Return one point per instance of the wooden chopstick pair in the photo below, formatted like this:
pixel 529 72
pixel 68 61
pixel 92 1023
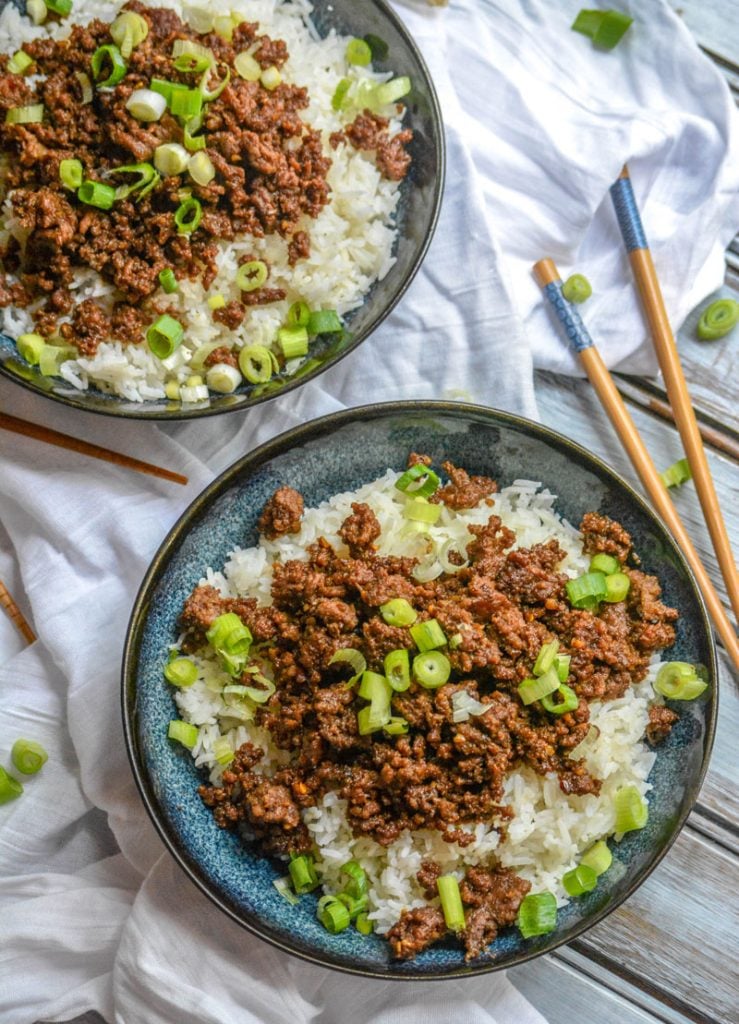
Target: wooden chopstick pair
pixel 548 277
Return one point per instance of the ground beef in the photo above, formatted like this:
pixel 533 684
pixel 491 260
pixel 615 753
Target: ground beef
pixel 415 931
pixel 463 490
pixel 601 534
pixel 88 328
pixel 230 315
pixel 661 721
pixel 281 514
pixel 494 896
pixel 427 876
pixel 360 530
pixel 222 355
pixel 370 132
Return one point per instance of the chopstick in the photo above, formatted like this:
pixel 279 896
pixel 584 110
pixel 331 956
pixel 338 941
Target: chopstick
pixel 547 276
pixel 75 444
pixel 642 265
pixel 15 614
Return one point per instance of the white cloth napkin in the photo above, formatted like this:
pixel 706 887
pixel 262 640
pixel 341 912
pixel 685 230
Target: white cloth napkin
pixel 94 913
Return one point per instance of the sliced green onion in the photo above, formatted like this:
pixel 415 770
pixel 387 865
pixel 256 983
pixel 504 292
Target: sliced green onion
pixel 223 378
pixel 190 63
pixel 30 347
pixel 183 732
pixel 632 811
pixel 201 394
pixel 51 358
pixel 95 193
pixel 28 756
pixel 270 78
pixel 128 31
pixel 223 751
pixel 419 480
pixel 224 27
pixel 324 321
pixel 186 103
pixel 398 612
pixel 60 7
pixel 677 680
pixel 419 510
pixel 392 91
pixel 562 665
pixel 303 874
pixel 333 915
pixel 428 635
pixel 200 168
pixel 537 914
pixel 164 336
pixel 37 11
pixel 358 52
pixel 587 22
pixel 531 690
pixel 606 564
pixel 282 885
pixel 340 93
pixel 718 319
pixel 216 301
pixel 580 880
pixel 228 633
pixel 431 669
pixel 251 275
pixel 374 686
pixel 357 885
pixel 676 474
pixel 71 173
pixel 170 158
pixel 187 216
pixel 166 89
pixel 605 28
pixel 85 86
pixel 397 669
pixel 146 105
pixel 19 62
pixel 209 95
pixel 147 180
pixel 569 700
pixel 255 362
pixel 293 341
pixel 298 315
pixel 10 788
pixel 363 925
pixel 107 54
pixel 455 641
pixel 396 726
pixel 352 657
pixel 32 114
pixel 191 48
pixel 194 143
pixel 577 288
pixel 598 857
pixel 618 585
pixel 181 672
pixel 451 902
pixel 587 590
pixel 247 67
pixel 377 690
pixel 546 657
pixel 355 905
pixel 167 280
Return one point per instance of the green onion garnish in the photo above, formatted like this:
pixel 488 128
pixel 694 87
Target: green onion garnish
pixel 419 480
pixel 392 91
pixel 376 689
pixel 398 612
pixel 598 857
pixel 167 280
pixel 200 168
pixel 577 288
pixel 545 658
pixel 587 590
pixel 255 362
pixel 358 52
pixel 30 347
pixel 333 915
pixel 216 301
pixel 146 181
pixel 190 47
pixel 282 885
pixel 568 702
pixel 580 880
pixel 164 336
pixel 352 657
pixel 97 194
pixel 193 142
pixel 618 585
pixel 631 809
pixel 303 874
pixel 187 216
pixel 357 885
pixel 37 11
pixel 107 54
pixel 190 62
pixel 270 78
pixel 128 31
pixel 170 158
pixel 678 680
pixel 676 474
pixel 419 510
pixel 340 93
pixel 223 378
pixel 398 670
pixel 32 114
pixel 19 62
pixel 166 89
pixel 51 358
pixel 537 914
pixel 451 902
pixel 71 173
pixel 605 28
pixel 428 635
pixel 606 564
pixel 721 317
pixel 531 690
pixel 324 321
pixel 247 67
pixel 431 669
pixel 223 751
pixel 396 726
pixel 363 925
pixel 251 275
pixel 186 103
pixel 28 756
pixel 228 633
pixel 298 315
pixel 355 905
pixel 212 94
pixel 10 788
pixel 146 104
pixel 183 732
pixel 84 82
pixel 181 672
pixel 293 341
pixel 60 7
pixel 562 666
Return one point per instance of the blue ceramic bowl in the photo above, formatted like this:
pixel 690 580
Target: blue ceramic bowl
pixel 417 214
pixel 338 453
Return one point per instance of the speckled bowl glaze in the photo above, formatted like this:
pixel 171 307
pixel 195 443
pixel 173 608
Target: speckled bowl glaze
pixel 417 214
pixel 338 453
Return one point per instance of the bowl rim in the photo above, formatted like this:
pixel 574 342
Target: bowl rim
pixel 246 465
pixel 76 400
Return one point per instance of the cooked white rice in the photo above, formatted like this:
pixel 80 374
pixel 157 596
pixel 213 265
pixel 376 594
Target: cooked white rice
pixel 549 830
pixel 351 239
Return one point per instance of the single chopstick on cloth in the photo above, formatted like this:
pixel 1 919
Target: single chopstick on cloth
pixel 547 276
pixel 74 444
pixel 650 292
pixel 15 615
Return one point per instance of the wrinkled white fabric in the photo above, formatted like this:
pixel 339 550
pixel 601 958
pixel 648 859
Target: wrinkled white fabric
pixel 95 914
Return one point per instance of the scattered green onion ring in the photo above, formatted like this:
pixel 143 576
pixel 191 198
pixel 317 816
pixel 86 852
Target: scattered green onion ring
pixel 632 811
pixel 181 672
pixel 30 347
pixel 147 180
pixel 580 880
pixel 718 319
pixel 598 857
pixel 546 657
pixel 186 103
pixel 270 78
pixel 28 756
pixel 587 590
pixel 531 690
pixel 247 67
pixel 678 680
pixel 397 669
pixel 392 91
pixel 298 315
pixel 324 321
pixel 32 114
pixel 569 701
pixel 303 874
pixel 428 635
pixel 618 585
pixel 251 275
pixel 293 341
pixel 577 288
pixel 71 173
pixel 676 474
pixel 170 159
pixel 419 480
pixel 358 52
pixel 146 105
pixel 167 280
pixel 97 194
pixel 200 168
pixel 164 336
pixel 451 902
pixel 187 216
pixel 10 788
pixel 419 510
pixel 128 31
pixel 333 915
pixel 255 362
pixel 113 56
pixel 606 564
pixel 605 28
pixel 37 11
pixel 20 62
pixel 537 914
pixel 398 612
pixel 431 669
pixel 340 93
pixel 183 733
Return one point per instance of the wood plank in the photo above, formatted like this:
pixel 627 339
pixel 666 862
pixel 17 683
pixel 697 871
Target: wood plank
pixel 719 797
pixel 714 24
